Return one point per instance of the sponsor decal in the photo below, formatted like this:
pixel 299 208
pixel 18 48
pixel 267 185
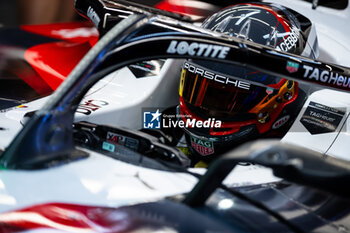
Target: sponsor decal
pixel 292 67
pixel 290 41
pixel 156 120
pixel 91 13
pixel 91 106
pixel 128 142
pixel 108 146
pixel 326 76
pixel 280 122
pixel 269 90
pixel 202 146
pixel 216 77
pixel 319 118
pixel 198 49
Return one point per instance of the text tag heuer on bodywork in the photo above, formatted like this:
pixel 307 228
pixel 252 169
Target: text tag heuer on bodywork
pixel 326 76
pixel 320 119
pixel 197 49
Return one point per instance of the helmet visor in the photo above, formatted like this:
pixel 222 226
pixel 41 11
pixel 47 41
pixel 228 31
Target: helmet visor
pixel 230 93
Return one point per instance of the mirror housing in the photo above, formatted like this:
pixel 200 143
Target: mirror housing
pixel 292 163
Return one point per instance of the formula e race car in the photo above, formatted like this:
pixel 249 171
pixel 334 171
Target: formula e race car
pixel 63 171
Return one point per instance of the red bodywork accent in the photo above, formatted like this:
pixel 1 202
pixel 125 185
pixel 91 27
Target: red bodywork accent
pixel 65 217
pixel 77 32
pixel 169 6
pixel 54 61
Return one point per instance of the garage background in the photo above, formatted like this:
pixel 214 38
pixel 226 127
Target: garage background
pixel 9 12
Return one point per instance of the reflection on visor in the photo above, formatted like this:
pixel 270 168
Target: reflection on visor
pixel 221 95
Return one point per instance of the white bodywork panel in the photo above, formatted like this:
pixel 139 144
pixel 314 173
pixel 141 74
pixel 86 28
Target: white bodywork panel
pixel 103 181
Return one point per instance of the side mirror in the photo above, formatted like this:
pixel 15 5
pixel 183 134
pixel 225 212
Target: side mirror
pixel 293 163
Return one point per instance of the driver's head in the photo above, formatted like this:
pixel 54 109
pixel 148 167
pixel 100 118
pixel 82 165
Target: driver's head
pixel 249 103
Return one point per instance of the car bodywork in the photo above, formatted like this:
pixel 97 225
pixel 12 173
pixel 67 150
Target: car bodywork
pixel 52 127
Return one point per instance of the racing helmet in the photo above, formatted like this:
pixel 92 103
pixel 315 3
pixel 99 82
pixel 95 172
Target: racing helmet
pixel 249 104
